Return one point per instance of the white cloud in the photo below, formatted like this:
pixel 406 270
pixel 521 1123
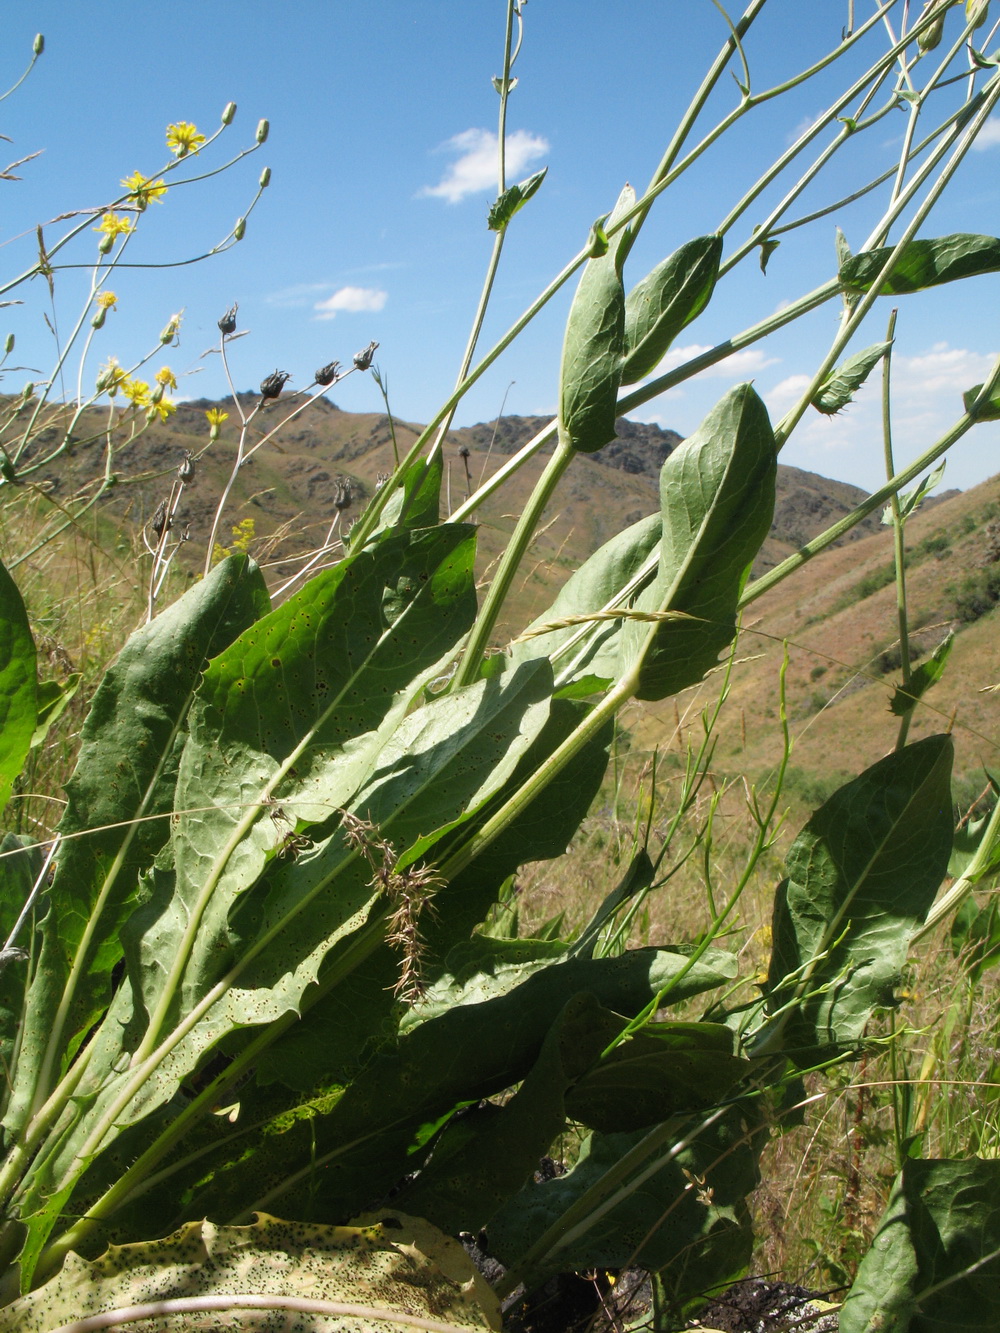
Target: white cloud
pixel 739 364
pixel 942 370
pixel 352 300
pixel 988 136
pixel 302 293
pixel 475 168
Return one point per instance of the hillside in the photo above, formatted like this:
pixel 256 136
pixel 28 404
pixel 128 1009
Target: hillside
pixel 837 614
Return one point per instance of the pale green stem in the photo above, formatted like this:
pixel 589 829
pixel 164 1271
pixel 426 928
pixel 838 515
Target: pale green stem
pixel 864 305
pixel 974 872
pixel 468 668
pixel 898 534
pixel 498 240
pixel 874 501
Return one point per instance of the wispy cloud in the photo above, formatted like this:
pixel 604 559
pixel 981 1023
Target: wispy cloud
pixel 988 136
pixel 475 167
pixel 352 301
pixel 748 362
pixel 302 293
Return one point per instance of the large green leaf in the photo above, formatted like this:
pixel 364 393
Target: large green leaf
pixel 17 685
pixel 934 1265
pixel 592 650
pixel 665 301
pixel 679 1213
pixel 125 774
pixel 862 875
pixel 717 500
pixel 20 865
pixel 664 1069
pixel 488 1153
pixel 923 263
pixel 482 1037
pixel 590 373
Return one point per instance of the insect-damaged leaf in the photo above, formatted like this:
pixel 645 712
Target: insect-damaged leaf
pixel 923 263
pixel 375 1275
pixel 717 499
pixel 591 369
pixel 843 382
pixel 666 300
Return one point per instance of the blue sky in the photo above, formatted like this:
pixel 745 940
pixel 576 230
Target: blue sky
pixel 383 122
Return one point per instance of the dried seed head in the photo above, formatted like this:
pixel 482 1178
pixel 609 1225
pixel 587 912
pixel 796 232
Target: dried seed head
pixel 464 451
pixel 160 521
pixel 186 471
pixel 363 359
pixel 326 375
pixel 228 321
pixel 345 494
pixel 273 385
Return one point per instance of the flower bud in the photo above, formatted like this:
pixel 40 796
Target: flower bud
pixel 240 230
pixel 327 374
pixel 273 385
pixel 38 45
pixel 263 130
pixel 28 390
pixel 106 242
pixel 8 346
pixel 363 359
pixel 97 322
pixel 228 321
pixel 169 332
pixel 228 112
pixel 265 178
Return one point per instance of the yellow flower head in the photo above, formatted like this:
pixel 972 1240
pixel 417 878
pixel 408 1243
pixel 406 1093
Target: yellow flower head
pixel 141 189
pixel 183 138
pixel 162 408
pixel 113 225
pixel 166 377
pixel 216 416
pixel 107 300
pixel 136 391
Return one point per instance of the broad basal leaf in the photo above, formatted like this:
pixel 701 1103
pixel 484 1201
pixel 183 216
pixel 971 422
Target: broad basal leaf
pixel 680 1214
pixel 125 773
pixel 17 685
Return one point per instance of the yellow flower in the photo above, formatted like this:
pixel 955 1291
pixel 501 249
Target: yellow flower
pixel 136 391
pixel 142 189
pixel 216 416
pixel 112 225
pixel 107 300
pixel 166 377
pixel 183 138
pixel 162 408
